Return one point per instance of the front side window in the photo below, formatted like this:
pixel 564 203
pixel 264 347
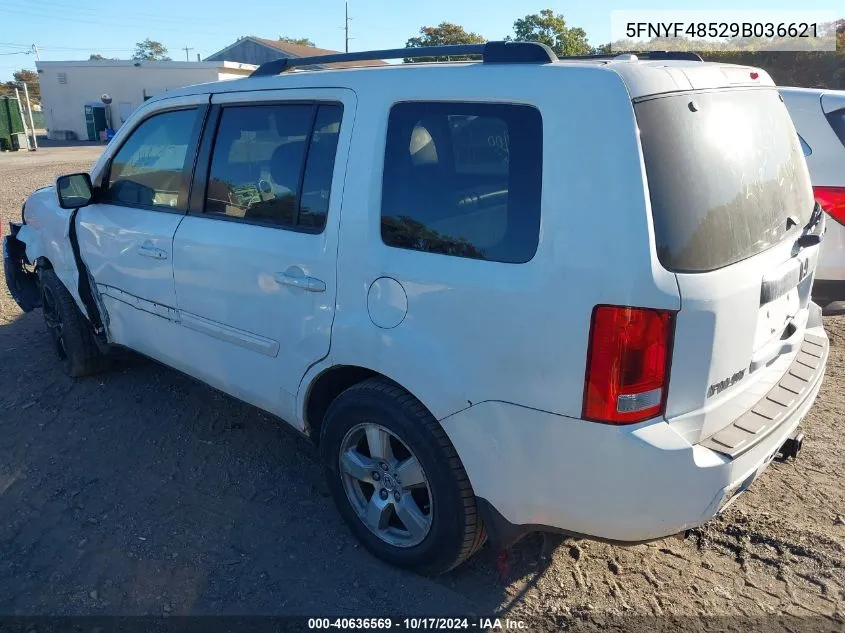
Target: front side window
pixel 273 164
pixel 149 167
pixel 463 179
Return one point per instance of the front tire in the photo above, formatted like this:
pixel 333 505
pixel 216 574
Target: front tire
pixel 397 480
pixel 73 337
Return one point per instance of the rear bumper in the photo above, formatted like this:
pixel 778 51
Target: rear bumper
pixel 534 470
pixel 22 283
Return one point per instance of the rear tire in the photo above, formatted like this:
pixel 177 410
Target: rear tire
pixel 72 334
pixel 432 494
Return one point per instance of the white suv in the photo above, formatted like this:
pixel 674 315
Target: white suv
pixel 819 117
pixel 502 296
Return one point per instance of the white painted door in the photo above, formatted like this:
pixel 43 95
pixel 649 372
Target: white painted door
pixel 254 260
pixel 126 237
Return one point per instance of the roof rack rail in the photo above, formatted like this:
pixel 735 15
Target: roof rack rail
pixel 490 52
pixel 646 55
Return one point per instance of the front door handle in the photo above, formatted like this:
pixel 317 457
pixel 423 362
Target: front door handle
pixel 148 250
pixel 296 277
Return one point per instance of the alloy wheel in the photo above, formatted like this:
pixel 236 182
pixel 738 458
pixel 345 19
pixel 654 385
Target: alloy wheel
pixel 386 485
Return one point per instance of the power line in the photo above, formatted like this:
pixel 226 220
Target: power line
pixel 187 50
pixel 62 48
pixel 110 24
pixel 89 13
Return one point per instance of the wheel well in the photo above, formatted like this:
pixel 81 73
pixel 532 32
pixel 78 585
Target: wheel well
pixel 325 388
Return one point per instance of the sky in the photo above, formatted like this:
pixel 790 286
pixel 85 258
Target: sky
pixel 73 29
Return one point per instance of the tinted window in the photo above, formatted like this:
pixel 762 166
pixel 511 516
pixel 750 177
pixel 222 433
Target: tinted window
pixel 148 168
pixel 319 167
pixel 724 175
pixel 837 122
pixel 463 180
pixel 804 147
pixel 268 166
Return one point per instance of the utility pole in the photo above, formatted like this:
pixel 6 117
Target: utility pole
pixel 31 122
pixel 187 50
pixel 37 54
pixel 346 25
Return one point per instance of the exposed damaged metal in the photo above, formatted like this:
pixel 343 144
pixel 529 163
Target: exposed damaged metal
pixel 171 314
pixel 21 277
pixel 86 292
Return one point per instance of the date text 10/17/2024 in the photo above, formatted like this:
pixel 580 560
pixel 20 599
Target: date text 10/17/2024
pixel 420 623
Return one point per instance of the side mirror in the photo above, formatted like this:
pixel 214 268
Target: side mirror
pixel 74 190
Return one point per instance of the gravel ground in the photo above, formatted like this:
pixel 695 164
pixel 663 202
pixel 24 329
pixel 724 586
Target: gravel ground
pixel 142 491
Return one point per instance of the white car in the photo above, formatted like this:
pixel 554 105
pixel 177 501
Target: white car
pixel 509 295
pixel 819 117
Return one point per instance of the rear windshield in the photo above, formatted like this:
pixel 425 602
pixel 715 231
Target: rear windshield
pixel 725 171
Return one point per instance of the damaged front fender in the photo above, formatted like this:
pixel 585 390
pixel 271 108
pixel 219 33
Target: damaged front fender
pixel 21 278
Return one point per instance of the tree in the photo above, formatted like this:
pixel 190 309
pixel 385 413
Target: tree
pixel 151 51
pixel 302 41
pixel 550 29
pixel 440 35
pixel 30 77
pixel 96 57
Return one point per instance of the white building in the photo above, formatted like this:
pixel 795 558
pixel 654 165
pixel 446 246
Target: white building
pixel 71 91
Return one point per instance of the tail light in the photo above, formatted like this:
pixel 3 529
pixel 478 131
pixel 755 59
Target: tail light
pixel 832 200
pixel 627 364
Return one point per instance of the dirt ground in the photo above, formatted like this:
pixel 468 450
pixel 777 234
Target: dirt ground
pixel 142 491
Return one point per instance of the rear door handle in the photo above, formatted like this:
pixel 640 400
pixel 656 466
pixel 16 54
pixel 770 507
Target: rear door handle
pixel 296 277
pixel 148 250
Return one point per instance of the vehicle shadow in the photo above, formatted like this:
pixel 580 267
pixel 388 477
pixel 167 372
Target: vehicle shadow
pixel 143 491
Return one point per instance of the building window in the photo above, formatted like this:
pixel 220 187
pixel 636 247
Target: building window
pixel 62 78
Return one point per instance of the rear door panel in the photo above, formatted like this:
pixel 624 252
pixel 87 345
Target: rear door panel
pixel 253 323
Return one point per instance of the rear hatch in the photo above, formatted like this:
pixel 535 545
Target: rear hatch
pixel 734 218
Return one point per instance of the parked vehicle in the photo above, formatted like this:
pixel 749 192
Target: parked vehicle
pixel 819 117
pixel 502 296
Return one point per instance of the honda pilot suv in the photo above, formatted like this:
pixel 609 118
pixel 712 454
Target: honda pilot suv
pixel 514 294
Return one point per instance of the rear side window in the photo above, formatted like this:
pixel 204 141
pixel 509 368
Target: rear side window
pixel 725 172
pixel 273 164
pixel 837 122
pixel 804 147
pixel 464 180
pixel 148 169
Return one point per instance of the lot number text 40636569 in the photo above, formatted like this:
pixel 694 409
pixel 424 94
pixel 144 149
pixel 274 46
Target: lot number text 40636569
pixel 413 624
